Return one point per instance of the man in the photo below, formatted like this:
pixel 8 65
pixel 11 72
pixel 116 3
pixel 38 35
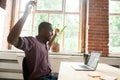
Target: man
pixel 35 48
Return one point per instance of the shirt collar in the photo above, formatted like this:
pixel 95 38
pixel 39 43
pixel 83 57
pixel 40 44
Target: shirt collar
pixel 40 39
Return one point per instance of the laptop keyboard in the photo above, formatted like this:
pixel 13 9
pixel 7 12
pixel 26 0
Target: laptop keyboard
pixel 86 67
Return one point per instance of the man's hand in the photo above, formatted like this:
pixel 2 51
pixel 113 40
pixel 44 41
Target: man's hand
pixel 53 37
pixel 56 31
pixel 29 6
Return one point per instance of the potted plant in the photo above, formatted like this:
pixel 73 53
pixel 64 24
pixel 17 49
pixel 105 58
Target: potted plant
pixel 56 46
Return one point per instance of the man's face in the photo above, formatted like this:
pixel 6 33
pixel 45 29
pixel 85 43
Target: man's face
pixel 48 33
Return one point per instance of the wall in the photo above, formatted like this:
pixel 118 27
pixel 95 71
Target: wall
pixel 11 63
pixel 7 23
pixel 9 67
pixel 2 16
pixel 97 26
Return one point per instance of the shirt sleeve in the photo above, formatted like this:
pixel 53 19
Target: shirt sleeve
pixel 24 44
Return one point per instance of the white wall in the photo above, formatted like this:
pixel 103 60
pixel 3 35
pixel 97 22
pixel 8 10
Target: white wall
pixel 2 15
pixel 56 59
pixel 14 62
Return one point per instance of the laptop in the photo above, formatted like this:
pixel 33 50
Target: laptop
pixel 91 64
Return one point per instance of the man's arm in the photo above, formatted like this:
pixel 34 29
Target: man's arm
pixel 53 37
pixel 16 30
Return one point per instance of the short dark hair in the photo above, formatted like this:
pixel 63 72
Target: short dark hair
pixel 44 25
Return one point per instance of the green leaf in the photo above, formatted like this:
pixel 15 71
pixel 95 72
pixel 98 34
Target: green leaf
pixel 59 34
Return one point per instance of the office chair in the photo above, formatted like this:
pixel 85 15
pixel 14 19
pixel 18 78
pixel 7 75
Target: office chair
pixel 25 69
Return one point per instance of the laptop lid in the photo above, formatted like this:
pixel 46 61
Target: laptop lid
pixel 94 59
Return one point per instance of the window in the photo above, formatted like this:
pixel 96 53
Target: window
pixel 51 5
pixel 114 26
pixel 58 12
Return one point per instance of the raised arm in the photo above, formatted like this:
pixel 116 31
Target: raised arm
pixel 53 37
pixel 16 30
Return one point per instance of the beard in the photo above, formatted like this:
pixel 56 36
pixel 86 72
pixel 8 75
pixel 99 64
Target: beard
pixel 48 38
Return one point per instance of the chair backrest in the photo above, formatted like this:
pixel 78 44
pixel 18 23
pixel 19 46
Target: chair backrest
pixel 25 69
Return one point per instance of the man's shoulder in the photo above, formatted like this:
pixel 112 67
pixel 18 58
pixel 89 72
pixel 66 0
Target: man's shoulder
pixel 29 38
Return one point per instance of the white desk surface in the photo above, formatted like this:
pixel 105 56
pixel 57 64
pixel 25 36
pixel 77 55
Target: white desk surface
pixel 68 73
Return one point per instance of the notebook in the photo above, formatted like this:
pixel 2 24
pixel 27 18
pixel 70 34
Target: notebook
pixel 91 65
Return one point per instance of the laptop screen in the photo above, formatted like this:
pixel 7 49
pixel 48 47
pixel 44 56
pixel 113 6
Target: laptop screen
pixel 93 59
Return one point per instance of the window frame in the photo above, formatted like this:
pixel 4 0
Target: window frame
pixel 113 33
pixel 81 30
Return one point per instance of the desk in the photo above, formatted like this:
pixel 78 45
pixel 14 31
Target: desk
pixel 68 73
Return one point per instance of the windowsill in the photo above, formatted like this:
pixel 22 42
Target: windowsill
pixel 114 55
pixel 69 53
pixel 12 51
pixel 66 53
